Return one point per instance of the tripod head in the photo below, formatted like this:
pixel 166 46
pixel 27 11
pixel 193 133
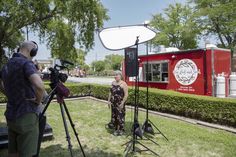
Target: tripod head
pixel 57 79
pixel 56 76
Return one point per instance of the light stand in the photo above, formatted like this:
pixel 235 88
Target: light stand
pixel 147 126
pixel 118 38
pixel 136 130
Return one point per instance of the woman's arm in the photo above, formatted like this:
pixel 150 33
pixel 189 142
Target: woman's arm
pixel 109 97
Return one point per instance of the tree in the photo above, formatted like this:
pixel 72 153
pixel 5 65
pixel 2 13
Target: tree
pixel 114 61
pixel 80 60
pixel 85 67
pixel 98 66
pixel 177 27
pixel 61 23
pixel 218 18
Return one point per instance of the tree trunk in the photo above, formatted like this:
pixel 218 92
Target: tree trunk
pixel 218 30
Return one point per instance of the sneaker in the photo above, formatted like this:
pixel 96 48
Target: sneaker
pixel 121 133
pixel 116 133
pixel 110 125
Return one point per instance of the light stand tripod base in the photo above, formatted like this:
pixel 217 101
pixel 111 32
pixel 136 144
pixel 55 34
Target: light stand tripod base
pixel 147 127
pixel 136 149
pixel 137 130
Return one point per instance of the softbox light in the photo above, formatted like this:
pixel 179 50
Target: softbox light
pixel 117 38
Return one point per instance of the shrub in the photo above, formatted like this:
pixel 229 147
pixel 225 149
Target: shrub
pixel 210 109
pixel 3 99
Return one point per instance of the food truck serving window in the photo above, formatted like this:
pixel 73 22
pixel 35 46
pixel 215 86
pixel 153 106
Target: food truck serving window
pixel 156 71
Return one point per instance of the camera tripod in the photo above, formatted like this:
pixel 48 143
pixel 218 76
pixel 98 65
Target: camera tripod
pixel 136 129
pixel 56 90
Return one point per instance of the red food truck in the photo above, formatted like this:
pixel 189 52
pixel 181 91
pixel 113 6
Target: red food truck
pixel 190 71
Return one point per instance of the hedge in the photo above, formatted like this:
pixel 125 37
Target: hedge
pixel 205 108
pixel 209 109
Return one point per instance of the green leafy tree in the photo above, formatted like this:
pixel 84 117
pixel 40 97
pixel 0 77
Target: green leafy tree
pixel 177 27
pixel 218 18
pixel 61 23
pixel 85 67
pixel 80 60
pixel 98 66
pixel 114 61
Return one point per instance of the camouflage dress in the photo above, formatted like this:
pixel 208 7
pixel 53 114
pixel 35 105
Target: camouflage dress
pixel 118 116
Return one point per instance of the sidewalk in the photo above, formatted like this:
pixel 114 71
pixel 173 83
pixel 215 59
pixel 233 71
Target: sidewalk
pixel 97 80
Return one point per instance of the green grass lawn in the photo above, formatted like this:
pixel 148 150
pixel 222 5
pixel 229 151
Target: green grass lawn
pixel 90 117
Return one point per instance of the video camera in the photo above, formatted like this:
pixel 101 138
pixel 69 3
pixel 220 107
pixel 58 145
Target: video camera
pixel 57 79
pixel 56 76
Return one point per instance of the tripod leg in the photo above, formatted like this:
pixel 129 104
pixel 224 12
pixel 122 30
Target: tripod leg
pixel 66 130
pixel 47 104
pixel 128 148
pixel 158 130
pixel 152 141
pixel 148 148
pixel 42 123
pixel 73 127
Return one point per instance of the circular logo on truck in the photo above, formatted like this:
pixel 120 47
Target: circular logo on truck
pixel 185 72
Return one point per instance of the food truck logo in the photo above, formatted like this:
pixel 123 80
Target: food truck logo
pixel 186 72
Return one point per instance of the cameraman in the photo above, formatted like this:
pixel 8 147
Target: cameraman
pixel 24 90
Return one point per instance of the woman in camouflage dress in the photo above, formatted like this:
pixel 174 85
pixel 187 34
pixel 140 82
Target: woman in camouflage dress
pixel 117 98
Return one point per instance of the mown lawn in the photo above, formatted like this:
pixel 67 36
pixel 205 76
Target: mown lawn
pixel 90 117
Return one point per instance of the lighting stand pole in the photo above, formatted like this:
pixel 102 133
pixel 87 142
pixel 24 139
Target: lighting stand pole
pixel 147 126
pixel 137 131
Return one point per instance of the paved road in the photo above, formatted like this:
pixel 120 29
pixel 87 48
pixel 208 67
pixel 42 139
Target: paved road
pixel 98 80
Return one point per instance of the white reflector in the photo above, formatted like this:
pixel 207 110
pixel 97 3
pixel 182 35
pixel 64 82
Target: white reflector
pixel 117 38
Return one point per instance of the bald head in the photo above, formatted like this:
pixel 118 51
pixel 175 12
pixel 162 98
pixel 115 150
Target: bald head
pixel 29 45
pixel 26 47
